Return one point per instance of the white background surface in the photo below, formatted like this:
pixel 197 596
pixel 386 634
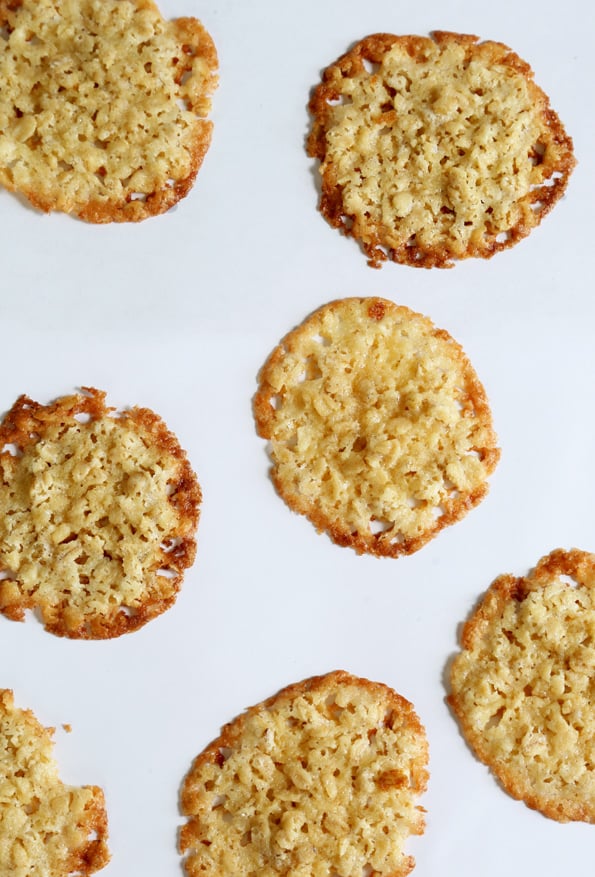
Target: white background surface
pixel 178 314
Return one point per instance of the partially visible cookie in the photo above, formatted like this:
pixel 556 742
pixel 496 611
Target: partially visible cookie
pixel 523 687
pixel 435 149
pixel 379 429
pixel 46 827
pixel 103 107
pixel 98 513
pixel 322 778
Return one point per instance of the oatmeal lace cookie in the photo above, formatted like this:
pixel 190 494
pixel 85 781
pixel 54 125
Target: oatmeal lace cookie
pixel 46 827
pixel 435 149
pixel 322 778
pixel 523 686
pixel 379 430
pixel 103 105
pixel 98 513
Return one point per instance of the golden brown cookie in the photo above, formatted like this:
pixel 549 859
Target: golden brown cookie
pixel 435 149
pixel 379 430
pixel 98 513
pixel 322 778
pixel 46 827
pixel 103 105
pixel 523 687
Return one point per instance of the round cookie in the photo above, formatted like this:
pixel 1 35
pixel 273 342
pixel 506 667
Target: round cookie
pixel 322 778
pixel 435 149
pixel 46 827
pixel 379 429
pixel 523 687
pixel 98 513
pixel 103 106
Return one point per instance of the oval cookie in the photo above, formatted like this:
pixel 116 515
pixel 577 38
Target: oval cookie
pixel 379 430
pixel 322 778
pixel 523 686
pixel 435 149
pixel 98 513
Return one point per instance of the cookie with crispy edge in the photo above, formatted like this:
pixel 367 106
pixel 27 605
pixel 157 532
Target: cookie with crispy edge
pixel 435 149
pixel 98 515
pixel 379 429
pixel 323 777
pixel 103 109
pixel 523 686
pixel 46 827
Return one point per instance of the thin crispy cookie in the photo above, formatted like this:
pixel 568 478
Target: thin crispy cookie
pixel 103 106
pixel 523 688
pixel 322 778
pixel 46 827
pixel 434 150
pixel 98 513
pixel 379 429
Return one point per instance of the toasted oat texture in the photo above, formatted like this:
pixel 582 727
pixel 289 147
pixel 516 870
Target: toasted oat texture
pixel 47 829
pixel 435 149
pixel 523 688
pixel 320 779
pixel 379 430
pixel 103 105
pixel 98 513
